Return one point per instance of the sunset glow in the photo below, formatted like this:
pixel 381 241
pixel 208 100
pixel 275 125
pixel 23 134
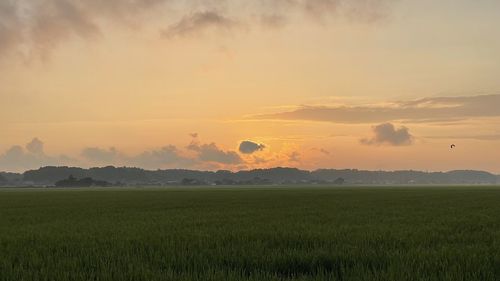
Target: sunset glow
pixel 366 84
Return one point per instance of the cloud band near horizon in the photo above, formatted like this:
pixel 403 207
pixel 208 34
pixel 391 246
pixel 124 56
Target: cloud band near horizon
pixel 440 109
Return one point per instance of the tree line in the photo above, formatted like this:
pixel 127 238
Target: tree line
pixel 49 176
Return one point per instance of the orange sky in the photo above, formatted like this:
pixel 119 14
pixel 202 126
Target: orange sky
pixel 368 84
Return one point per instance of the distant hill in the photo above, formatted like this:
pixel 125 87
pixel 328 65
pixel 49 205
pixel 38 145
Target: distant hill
pixel 10 179
pixel 407 177
pixel 3 180
pixel 48 176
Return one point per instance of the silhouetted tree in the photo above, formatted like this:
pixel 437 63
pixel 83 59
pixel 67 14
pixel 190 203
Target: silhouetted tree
pixel 128 176
pixel 339 181
pixel 71 181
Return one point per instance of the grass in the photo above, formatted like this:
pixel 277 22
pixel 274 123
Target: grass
pixel 438 233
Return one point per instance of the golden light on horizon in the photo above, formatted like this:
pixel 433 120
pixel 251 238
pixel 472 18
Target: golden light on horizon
pixel 115 84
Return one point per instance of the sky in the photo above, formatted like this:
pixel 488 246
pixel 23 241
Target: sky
pixel 234 84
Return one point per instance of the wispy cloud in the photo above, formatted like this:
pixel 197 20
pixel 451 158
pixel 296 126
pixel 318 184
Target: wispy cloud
pixel 484 137
pixel 273 20
pixel 198 22
pixel 321 10
pixel 423 110
pixel 321 150
pixel 9 22
pixel 35 28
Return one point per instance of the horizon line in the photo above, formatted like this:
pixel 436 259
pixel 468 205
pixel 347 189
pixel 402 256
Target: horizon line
pixel 249 170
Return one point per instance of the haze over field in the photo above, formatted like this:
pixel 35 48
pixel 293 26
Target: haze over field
pixel 367 84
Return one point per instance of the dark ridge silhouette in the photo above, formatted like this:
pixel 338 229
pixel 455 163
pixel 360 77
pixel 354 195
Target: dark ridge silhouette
pixel 48 176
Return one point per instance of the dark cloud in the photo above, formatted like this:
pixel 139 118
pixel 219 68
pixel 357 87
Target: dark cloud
pixel 387 134
pixel 250 147
pixel 423 110
pixel 211 153
pixel 198 22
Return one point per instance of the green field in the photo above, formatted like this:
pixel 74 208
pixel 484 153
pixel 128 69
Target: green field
pixel 407 233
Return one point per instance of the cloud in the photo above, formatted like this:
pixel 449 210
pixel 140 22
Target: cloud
pixel 211 153
pixel 206 156
pixel 324 151
pixel 354 10
pixel 367 10
pixel 35 28
pixel 485 137
pixel 198 22
pixel 32 156
pixel 8 23
pixel 273 20
pixel 167 156
pixel 58 20
pixel 35 146
pixel 259 160
pixel 101 156
pixel 321 150
pixel 423 110
pixel 294 157
pixel 320 7
pixel 250 147
pixel 387 134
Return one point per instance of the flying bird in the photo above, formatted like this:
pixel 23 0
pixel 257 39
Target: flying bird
pixel 452 146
